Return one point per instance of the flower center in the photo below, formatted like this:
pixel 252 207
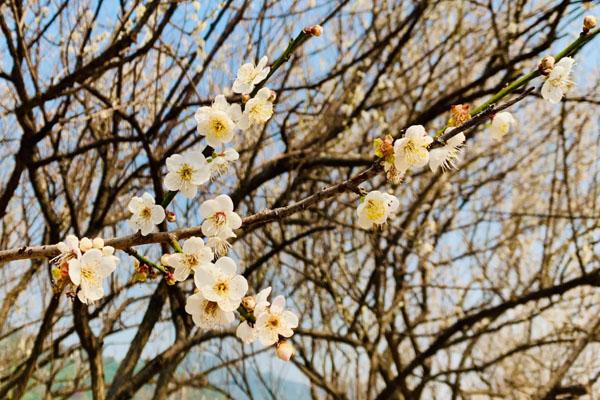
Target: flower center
pixel 210 308
pixel 221 287
pixel 273 322
pixel 90 275
pixel 146 213
pixel 191 260
pixel 219 127
pixel 260 111
pixel 220 218
pixel 186 172
pixel 412 152
pixel 375 209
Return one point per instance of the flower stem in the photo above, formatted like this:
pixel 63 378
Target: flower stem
pixel 298 41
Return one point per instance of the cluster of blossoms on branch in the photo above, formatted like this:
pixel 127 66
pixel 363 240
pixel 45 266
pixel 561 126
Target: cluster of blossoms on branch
pixel 415 148
pixel 220 291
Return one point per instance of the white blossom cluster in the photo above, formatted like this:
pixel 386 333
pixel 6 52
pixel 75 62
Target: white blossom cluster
pixel 86 263
pixel 412 150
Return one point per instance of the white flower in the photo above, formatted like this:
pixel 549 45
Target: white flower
pixel 146 214
pixel 376 208
pixel 207 314
pixel 187 172
pixel 69 249
pixel 248 76
pixel 194 254
pixel 218 122
pixel 245 331
pixel 220 283
pixel 447 155
pixel 219 245
pixel 274 322
pixel 501 124
pixel 410 151
pixel 557 83
pixel 88 272
pixel 258 109
pixel 220 161
pixel 219 218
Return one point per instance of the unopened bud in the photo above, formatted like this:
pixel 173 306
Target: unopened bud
pixel 272 96
pixel 98 243
pixel 314 30
pixel 589 23
pixel 170 278
pixel 285 350
pixel 85 244
pixel 245 98
pixel 461 113
pixel 546 65
pixel 171 216
pixel 249 302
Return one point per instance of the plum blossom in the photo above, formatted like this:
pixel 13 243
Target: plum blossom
pixel 249 75
pixel 88 273
pixel 219 218
pixel 274 322
pixel 246 332
pixel 375 209
pixel 447 155
pixel 218 122
pixel 558 83
pixel 501 125
pixel 146 214
pixel 258 109
pixel 220 161
pixel 219 282
pixel 207 314
pixel 219 245
pixel 410 151
pixel 194 254
pixel 187 172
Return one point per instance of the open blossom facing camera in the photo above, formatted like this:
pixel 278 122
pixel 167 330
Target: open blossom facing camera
pixel 194 254
pixel 146 214
pixel 249 76
pixel 207 314
pixel 219 282
pixel 558 83
pixel 88 273
pixel 218 122
pixel 219 218
pixel 258 109
pixel 187 172
pixel 501 124
pixel 376 208
pixel 447 155
pixel 410 151
pixel 274 322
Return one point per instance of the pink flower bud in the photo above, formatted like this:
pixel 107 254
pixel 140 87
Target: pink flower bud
pixel 285 350
pixel 314 30
pixel 589 23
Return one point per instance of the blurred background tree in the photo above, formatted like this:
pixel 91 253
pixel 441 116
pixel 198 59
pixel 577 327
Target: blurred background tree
pixel 485 285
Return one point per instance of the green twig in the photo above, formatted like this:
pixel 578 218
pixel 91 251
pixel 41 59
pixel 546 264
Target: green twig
pixel 570 50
